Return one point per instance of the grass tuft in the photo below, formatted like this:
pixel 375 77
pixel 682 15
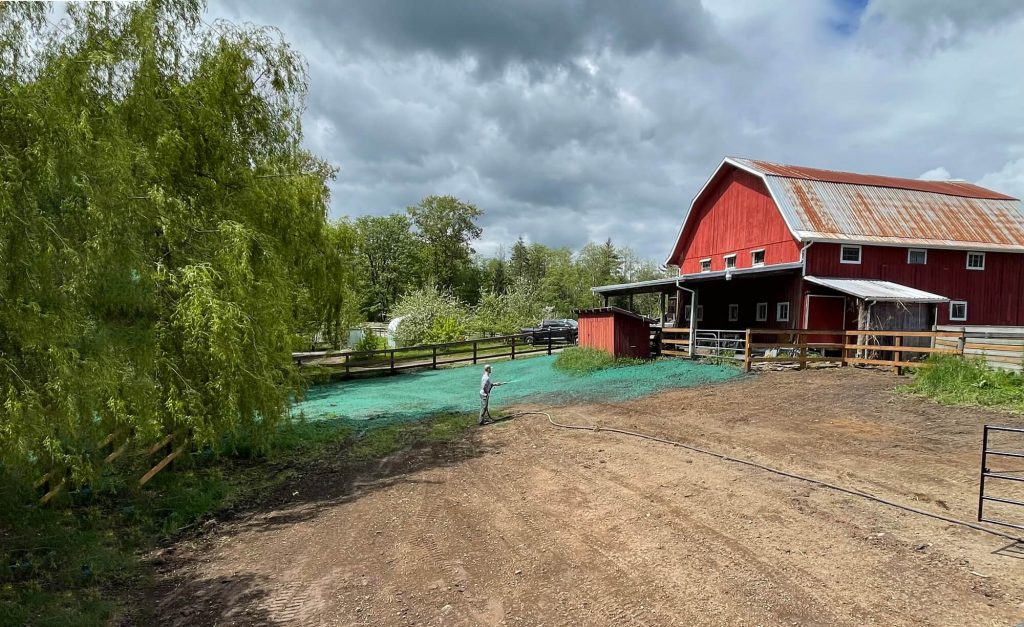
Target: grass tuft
pixel 957 381
pixel 580 360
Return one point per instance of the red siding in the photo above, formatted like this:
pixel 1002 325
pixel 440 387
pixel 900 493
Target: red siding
pixel 995 295
pixel 615 333
pixel 736 215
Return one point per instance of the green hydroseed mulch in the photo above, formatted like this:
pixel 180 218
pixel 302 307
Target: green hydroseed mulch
pixel 411 396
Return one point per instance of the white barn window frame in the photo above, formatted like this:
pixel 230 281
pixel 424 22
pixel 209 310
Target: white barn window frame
pixel 730 261
pixel 782 311
pixel 917 256
pixel 705 265
pixel 761 312
pixel 975 260
pixel 734 312
pixel 757 258
pixel 849 259
pixel 958 310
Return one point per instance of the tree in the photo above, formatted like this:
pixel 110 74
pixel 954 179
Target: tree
pixel 390 255
pixel 429 316
pixel 447 227
pixel 163 235
pixel 507 312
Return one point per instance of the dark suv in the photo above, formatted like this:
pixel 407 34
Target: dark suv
pixel 559 330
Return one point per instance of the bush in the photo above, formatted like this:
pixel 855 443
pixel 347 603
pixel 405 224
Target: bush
pixel 508 312
pixel 958 381
pixel 370 342
pixel 430 316
pixel 580 360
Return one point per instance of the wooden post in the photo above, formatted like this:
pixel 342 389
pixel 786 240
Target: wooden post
pixel 549 342
pixel 746 352
pixel 474 352
pixel 392 361
pixel 961 342
pixel 346 365
pixel 897 342
pixel 433 364
pixel 513 347
pixel 801 341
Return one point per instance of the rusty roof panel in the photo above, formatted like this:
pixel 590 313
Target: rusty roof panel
pixel 857 212
pixel 950 188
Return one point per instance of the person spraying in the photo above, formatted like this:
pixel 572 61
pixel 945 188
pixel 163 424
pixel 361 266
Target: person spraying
pixel 486 385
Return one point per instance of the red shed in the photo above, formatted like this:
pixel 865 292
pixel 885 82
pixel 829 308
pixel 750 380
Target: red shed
pixel 617 331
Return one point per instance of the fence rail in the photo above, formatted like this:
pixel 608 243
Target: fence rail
pixel 392 360
pixel 1000 347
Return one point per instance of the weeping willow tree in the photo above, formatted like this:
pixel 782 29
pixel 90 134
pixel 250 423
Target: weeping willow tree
pixel 163 236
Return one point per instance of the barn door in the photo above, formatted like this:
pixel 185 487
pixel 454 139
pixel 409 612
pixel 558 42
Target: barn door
pixel 826 312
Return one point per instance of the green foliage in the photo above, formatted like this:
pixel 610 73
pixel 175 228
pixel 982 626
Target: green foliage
pixel 959 381
pixel 369 341
pixel 447 227
pixel 390 256
pixel 580 360
pixel 508 312
pixel 430 316
pixel 163 235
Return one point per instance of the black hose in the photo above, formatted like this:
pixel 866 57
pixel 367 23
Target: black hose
pixel 746 462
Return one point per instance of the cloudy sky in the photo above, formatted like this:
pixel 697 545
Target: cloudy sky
pixel 576 120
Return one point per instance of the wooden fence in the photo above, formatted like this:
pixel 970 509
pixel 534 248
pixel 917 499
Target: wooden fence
pixel 338 364
pixel 893 349
pixel 1000 347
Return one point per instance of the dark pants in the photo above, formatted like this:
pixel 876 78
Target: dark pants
pixel 484 398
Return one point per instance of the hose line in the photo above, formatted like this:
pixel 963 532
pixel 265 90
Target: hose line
pixel 783 473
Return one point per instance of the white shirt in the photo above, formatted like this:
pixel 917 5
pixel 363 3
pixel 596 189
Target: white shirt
pixel 485 384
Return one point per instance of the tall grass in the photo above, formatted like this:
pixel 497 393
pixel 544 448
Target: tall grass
pixel 580 360
pixel 957 381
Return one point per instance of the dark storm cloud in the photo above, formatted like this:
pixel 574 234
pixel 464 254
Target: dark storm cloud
pixel 577 120
pixel 495 34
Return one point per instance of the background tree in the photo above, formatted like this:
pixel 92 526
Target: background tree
pixel 163 235
pixel 390 256
pixel 447 228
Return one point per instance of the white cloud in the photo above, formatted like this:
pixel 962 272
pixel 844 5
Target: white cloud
pixel 1008 180
pixel 936 174
pixel 603 135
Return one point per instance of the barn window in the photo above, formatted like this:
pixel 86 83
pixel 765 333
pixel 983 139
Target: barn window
pixel 730 261
pixel 734 312
pixel 958 310
pixel 917 256
pixel 705 265
pixel 700 313
pixel 762 312
pixel 849 253
pixel 975 261
pixel 782 312
pixel 757 257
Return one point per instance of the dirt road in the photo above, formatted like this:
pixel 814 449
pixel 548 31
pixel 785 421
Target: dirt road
pixel 524 524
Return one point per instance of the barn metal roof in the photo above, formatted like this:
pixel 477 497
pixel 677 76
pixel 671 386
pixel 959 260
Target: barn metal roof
pixel 881 291
pixel 826 205
pixel 841 206
pixel 668 285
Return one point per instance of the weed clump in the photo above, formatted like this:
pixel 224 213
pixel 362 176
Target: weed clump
pixel 581 360
pixel 957 381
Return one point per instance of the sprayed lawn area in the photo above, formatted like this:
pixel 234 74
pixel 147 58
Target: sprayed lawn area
pixel 413 396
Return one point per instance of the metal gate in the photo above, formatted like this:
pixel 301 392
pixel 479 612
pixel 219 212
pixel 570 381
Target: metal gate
pixel 1008 480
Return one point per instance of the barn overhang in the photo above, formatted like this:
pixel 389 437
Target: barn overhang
pixel 877 291
pixel 671 284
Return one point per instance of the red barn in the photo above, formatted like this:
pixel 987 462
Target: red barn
pixel 765 245
pixel 616 331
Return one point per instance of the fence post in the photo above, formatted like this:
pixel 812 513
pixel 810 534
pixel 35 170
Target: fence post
pixel 346 365
pixel 549 342
pixel 433 364
pixel 961 342
pixel 513 347
pixel 842 360
pixel 897 342
pixel 474 352
pixel 392 361
pixel 746 352
pixel 801 341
